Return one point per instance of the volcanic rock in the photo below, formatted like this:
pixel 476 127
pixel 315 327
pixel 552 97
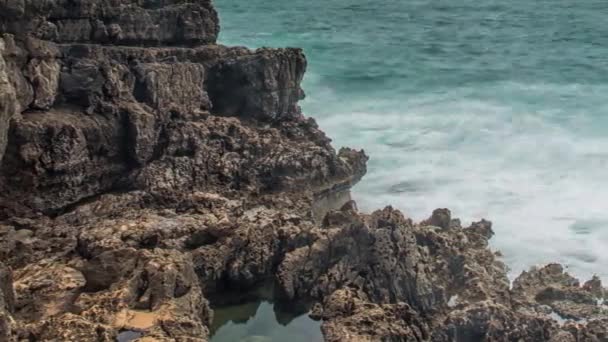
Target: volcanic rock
pixel 146 170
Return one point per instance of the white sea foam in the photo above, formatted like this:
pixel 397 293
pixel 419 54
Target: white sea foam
pixel 537 172
pixel 453 302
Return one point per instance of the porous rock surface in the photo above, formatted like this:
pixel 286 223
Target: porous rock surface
pixel 146 169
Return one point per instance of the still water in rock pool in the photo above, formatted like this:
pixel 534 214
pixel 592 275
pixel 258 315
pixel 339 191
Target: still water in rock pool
pixel 262 322
pixel 256 317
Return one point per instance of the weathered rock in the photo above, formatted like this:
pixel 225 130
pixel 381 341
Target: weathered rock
pixel 15 59
pixel 491 322
pixel 349 318
pixel 7 296
pixel 263 86
pixel 8 101
pixel 71 327
pixel 388 257
pixel 144 168
pixel 114 122
pixel 45 289
pixel 440 218
pixel 124 22
pixel 42 71
pixel 553 287
pixel 184 97
pixel 63 156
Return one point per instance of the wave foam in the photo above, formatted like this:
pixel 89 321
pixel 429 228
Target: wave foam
pixel 535 171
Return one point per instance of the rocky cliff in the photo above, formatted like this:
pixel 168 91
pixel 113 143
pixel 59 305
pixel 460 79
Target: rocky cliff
pixel 146 169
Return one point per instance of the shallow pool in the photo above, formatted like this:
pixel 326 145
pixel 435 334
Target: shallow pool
pixel 260 319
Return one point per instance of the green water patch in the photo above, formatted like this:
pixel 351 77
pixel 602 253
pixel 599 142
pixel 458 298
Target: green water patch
pixel 256 316
pixel 587 227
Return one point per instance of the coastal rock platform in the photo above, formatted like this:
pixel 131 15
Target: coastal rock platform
pixel 146 169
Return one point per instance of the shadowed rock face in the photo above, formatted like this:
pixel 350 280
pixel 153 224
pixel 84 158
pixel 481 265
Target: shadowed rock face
pixel 261 86
pixel 145 168
pixel 110 118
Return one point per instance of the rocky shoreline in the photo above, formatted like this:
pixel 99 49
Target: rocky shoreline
pixel 146 168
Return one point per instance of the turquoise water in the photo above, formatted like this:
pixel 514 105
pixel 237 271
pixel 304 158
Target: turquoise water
pixel 495 109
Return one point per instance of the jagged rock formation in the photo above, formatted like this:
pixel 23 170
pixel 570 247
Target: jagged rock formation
pixel 119 22
pixel 381 277
pixel 146 169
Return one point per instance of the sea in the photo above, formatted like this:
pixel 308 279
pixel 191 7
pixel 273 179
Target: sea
pixel 494 109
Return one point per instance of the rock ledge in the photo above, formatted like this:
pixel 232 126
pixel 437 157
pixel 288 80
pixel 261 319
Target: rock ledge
pixel 146 169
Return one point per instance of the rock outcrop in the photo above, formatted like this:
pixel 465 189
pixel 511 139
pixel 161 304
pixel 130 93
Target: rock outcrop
pixel 146 169
pixel 118 22
pixel 380 277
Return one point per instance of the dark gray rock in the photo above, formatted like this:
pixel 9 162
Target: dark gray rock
pixel 122 22
pixel 263 86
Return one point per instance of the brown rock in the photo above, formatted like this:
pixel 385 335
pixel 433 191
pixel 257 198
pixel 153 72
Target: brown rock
pixel 45 289
pixel 348 318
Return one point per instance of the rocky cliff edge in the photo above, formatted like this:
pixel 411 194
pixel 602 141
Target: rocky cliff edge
pixel 146 169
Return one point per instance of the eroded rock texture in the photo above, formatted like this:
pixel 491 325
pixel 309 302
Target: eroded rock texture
pixel 120 22
pixel 145 170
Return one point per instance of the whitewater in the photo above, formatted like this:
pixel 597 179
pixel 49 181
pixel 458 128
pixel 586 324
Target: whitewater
pixel 495 110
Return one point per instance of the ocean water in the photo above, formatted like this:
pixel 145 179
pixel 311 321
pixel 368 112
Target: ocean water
pixel 495 109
